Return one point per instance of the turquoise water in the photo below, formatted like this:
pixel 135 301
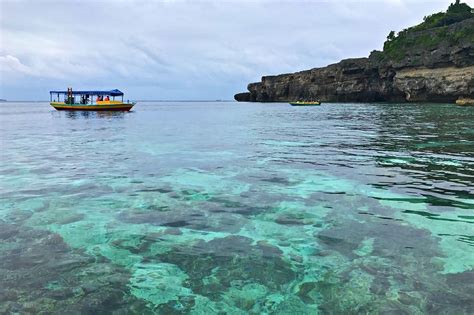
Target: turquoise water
pixel 213 208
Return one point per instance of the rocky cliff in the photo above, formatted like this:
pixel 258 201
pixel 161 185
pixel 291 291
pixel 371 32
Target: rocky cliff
pixel 431 62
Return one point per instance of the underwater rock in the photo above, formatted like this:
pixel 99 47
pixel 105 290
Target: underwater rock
pixel 293 305
pixel 176 218
pixel 307 292
pixel 287 219
pixel 39 273
pixel 393 267
pixel 205 216
pixel 71 218
pixel 388 238
pixel 213 267
pixel 456 296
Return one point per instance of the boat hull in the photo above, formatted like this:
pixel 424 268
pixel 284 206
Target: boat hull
pixel 305 103
pixel 101 107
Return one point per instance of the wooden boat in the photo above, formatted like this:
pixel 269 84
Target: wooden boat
pixel 111 106
pixel 309 103
pixel 87 102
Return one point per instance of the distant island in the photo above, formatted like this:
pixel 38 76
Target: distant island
pixel 429 62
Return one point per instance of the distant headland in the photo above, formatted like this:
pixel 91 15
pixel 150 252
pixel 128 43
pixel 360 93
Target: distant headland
pixel 429 62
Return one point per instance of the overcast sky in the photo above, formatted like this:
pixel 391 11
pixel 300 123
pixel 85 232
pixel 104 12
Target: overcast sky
pixel 185 49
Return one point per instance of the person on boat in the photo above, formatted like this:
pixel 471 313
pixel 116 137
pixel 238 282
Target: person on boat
pixel 99 98
pixel 107 98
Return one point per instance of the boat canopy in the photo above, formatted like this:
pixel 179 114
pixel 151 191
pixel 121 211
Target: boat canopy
pixel 111 92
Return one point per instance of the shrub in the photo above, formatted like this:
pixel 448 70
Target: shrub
pixel 397 46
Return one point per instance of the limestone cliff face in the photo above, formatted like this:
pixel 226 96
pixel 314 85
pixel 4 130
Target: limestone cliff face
pixel 436 85
pixel 427 65
pixel 349 80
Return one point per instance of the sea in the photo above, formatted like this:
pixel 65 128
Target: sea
pixel 237 208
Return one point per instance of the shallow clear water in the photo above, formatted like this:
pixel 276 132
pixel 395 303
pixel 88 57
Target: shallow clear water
pixel 237 208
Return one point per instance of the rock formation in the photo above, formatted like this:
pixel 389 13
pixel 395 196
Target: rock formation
pixel 430 62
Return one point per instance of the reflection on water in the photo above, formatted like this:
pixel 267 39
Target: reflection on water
pixel 93 114
pixel 213 208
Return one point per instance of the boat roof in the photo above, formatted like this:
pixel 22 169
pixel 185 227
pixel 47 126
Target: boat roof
pixel 110 92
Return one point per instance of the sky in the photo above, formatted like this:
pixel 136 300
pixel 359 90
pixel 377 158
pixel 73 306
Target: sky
pixel 182 49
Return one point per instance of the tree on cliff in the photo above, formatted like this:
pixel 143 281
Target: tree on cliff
pixel 391 36
pixel 398 46
pixel 458 7
pixel 456 12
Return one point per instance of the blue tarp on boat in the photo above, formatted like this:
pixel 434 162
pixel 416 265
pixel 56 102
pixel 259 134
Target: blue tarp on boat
pixel 111 92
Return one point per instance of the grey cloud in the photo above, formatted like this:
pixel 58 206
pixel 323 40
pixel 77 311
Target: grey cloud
pixel 185 49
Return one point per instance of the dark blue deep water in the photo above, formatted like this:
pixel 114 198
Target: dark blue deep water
pixel 234 208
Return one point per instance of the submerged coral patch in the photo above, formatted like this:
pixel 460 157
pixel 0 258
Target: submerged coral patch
pixel 39 273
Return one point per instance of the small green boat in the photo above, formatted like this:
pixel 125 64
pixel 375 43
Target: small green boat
pixel 298 103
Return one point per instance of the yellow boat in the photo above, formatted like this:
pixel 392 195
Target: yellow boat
pixel 309 103
pixel 464 101
pixel 86 100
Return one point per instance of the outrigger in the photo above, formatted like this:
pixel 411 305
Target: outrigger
pixel 86 100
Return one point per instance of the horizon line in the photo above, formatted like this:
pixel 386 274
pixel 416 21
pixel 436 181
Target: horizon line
pixel 191 100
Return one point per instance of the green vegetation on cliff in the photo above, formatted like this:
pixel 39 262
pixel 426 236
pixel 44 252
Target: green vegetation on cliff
pixel 456 12
pixel 431 33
